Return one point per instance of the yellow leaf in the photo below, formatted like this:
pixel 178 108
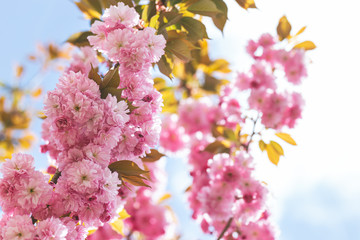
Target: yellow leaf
pixel 246 4
pixel 188 188
pixel 5 153
pixel 300 31
pixel 277 148
pixel 262 145
pixel 91 231
pixel 159 83
pixel 237 130
pixel 123 214
pixel 283 28
pixel 25 142
pixel 243 138
pixel 217 131
pixel 286 137
pixel 273 155
pixel 41 115
pixel 164 197
pixel 88 10
pixel 36 92
pixel 118 226
pixel 219 65
pixel 19 71
pixel 307 45
pixel 154 23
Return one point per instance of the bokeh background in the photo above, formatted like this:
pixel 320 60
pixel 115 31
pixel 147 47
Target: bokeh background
pixel 316 187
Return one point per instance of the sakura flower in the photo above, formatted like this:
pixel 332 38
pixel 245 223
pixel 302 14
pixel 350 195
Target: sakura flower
pixel 121 15
pixel 19 164
pixel 18 227
pixel 33 191
pixel 51 229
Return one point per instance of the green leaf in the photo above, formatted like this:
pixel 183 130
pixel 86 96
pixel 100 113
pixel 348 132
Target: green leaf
pixel 171 18
pixel 80 39
pixel 284 28
pixel 127 2
pixel 307 45
pixel 211 83
pixel 173 34
pixel 126 168
pixel 93 75
pixel 220 20
pixel 174 2
pixel 229 134
pixel 96 4
pixel 164 67
pixel 221 5
pixel 131 107
pixel 135 180
pixel 204 7
pixel 180 49
pixel 153 156
pixel 151 11
pixel 111 79
pixel 218 147
pixel 196 29
pixel 116 92
pixel 286 137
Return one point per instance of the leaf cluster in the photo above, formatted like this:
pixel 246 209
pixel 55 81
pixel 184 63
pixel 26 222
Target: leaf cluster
pixel 284 32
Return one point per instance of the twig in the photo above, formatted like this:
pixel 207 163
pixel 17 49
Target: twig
pixel 228 224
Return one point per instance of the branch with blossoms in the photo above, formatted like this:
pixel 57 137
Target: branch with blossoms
pixel 225 196
pixel 102 123
pixel 96 129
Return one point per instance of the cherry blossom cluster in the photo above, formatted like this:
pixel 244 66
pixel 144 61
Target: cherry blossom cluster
pixel 223 185
pixel 27 196
pixel 121 38
pixel 278 109
pixel 116 37
pixel 228 190
pixel 85 132
pixel 224 190
pixel 148 217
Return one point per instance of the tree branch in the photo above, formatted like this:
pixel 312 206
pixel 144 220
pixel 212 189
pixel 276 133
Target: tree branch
pixel 228 224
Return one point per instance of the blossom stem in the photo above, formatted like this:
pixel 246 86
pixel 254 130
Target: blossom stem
pixel 128 237
pixel 228 224
pixel 252 134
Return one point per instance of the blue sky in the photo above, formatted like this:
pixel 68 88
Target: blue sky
pixel 316 187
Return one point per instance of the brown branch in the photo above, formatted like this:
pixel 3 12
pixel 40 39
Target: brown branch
pixel 246 146
pixel 56 176
pixel 228 224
